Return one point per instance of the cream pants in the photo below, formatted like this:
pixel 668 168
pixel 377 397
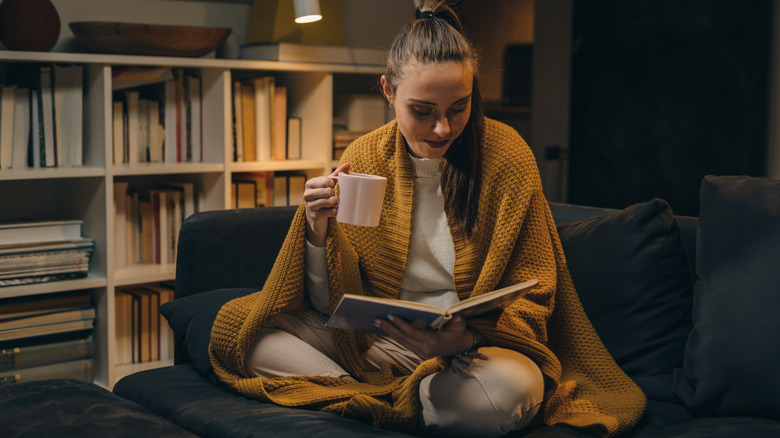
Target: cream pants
pixel 487 393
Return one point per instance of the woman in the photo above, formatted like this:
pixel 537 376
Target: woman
pixel 463 214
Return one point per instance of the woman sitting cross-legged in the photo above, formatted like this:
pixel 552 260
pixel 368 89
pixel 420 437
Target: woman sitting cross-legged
pixel 463 214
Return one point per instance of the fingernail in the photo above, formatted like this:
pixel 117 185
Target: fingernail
pixel 377 323
pixel 391 318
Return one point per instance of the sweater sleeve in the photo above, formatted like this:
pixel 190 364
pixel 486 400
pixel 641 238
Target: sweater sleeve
pixel 316 277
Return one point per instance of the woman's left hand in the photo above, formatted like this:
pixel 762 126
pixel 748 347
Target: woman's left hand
pixel 453 338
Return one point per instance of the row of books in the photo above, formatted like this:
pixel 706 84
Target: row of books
pixel 41 117
pixel 142 333
pixel 46 337
pixel 147 222
pixel 158 122
pixel 43 251
pixel 262 130
pixel 267 189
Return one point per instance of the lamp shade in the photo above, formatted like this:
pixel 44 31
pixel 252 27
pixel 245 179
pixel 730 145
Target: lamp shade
pixel 307 11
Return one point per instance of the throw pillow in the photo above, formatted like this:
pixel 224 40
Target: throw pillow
pixel 191 319
pixel 731 357
pixel 634 279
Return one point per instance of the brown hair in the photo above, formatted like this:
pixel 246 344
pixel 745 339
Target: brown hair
pixel 437 36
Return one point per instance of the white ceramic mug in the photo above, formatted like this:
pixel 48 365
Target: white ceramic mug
pixel 360 198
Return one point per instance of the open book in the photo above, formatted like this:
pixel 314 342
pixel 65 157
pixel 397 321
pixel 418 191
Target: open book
pixel 357 312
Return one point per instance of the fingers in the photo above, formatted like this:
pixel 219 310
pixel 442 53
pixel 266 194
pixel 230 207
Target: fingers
pixel 426 343
pixel 343 168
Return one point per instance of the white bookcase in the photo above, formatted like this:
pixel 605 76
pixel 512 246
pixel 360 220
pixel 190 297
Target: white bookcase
pixel 87 192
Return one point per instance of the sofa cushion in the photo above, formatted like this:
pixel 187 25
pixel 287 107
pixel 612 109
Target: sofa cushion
pixel 191 319
pixel 68 408
pixel 731 356
pixel 181 394
pixel 633 277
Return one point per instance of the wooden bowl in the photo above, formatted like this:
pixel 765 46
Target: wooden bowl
pixel 148 39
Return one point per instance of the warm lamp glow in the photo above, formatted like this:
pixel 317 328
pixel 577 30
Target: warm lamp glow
pixel 307 11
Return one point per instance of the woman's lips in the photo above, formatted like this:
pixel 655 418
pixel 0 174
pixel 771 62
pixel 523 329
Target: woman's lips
pixel 436 144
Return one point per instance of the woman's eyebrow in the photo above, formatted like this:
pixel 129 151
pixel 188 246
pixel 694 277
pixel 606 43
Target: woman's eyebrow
pixel 425 102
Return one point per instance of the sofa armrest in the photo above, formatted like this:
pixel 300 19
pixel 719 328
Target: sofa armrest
pixel 229 248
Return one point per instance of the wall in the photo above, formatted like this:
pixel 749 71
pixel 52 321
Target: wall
pixel 492 25
pixel 367 23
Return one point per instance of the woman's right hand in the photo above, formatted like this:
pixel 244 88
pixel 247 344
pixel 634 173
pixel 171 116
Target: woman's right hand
pixel 321 203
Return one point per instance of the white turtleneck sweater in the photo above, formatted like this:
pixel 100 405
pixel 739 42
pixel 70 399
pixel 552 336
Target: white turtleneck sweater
pixel 429 268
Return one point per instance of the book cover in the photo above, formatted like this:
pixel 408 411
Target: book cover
pixel 171 133
pixel 35 130
pixel 238 123
pixel 118 131
pixel 7 103
pixel 46 112
pixel 296 183
pixel 165 333
pixel 21 134
pixel 356 312
pixel 294 138
pixel 279 123
pixel 76 369
pixel 146 235
pixel 132 108
pixel 46 329
pixel 244 194
pixel 20 306
pixel 280 190
pixel 263 113
pixel 45 354
pixel 43 318
pixel 196 122
pixel 248 122
pixel 123 327
pixel 143 323
pixel 25 232
pixel 120 224
pixel 313 53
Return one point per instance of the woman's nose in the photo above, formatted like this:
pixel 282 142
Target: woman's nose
pixel 442 127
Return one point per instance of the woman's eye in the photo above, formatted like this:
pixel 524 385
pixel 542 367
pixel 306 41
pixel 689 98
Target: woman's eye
pixel 422 111
pixel 458 110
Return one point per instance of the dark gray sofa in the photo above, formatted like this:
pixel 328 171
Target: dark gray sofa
pixel 685 305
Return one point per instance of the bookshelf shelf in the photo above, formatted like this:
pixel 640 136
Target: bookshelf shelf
pixel 146 273
pixel 277 166
pixel 90 193
pixel 52 173
pixel 166 168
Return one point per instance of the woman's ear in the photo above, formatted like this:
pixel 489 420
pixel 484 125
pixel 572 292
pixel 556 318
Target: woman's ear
pixel 386 89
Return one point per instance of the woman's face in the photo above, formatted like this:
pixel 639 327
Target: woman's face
pixel 432 105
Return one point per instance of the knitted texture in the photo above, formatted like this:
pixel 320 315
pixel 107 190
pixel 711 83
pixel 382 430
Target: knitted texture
pixel 516 240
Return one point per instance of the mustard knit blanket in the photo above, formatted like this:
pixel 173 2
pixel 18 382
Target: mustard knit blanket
pixel 516 240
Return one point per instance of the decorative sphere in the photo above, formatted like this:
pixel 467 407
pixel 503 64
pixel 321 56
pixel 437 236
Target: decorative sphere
pixel 29 25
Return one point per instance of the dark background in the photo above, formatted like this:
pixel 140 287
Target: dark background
pixel 663 93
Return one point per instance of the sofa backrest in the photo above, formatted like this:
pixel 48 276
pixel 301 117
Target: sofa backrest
pixel 563 212
pixel 229 248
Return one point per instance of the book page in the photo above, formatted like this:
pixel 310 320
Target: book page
pixel 497 299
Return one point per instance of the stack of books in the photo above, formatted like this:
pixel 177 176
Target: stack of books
pixel 46 337
pixel 42 251
pixel 41 117
pixel 142 333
